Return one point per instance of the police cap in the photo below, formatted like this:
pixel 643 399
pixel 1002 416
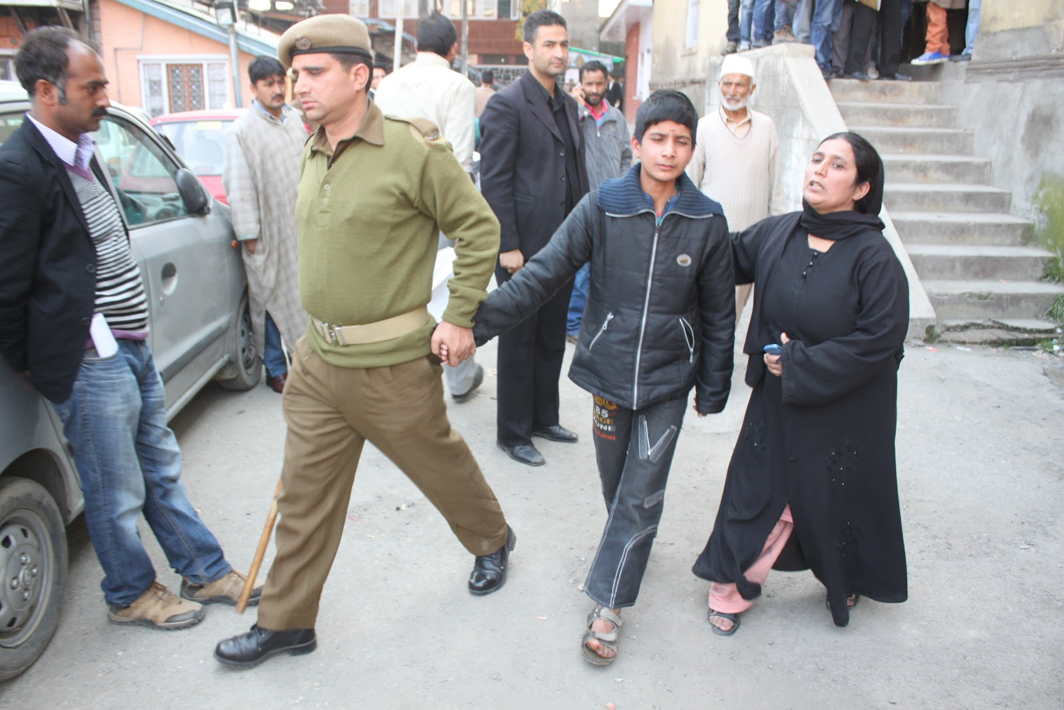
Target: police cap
pixel 325 34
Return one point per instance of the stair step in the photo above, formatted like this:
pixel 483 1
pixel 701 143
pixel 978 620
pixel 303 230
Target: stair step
pixel 949 261
pixel 914 167
pixel 903 91
pixel 947 141
pixel 1003 331
pixel 962 228
pixel 916 197
pixel 991 299
pixel 865 113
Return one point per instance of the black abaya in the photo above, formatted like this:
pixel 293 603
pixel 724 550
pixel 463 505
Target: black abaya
pixel 821 437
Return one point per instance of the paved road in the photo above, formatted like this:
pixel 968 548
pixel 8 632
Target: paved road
pixel 981 446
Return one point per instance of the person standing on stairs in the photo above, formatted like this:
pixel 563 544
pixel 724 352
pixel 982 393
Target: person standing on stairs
pixel 936 40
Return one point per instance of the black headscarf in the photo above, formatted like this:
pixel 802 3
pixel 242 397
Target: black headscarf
pixel 840 225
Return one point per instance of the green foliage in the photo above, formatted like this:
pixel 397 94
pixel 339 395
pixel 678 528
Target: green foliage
pixel 527 8
pixel 1050 200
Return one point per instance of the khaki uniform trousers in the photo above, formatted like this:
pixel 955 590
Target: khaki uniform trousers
pixel 331 412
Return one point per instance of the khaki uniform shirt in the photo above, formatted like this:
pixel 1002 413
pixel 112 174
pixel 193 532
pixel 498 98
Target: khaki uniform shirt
pixel 369 213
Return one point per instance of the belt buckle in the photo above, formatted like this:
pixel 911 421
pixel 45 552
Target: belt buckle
pixel 333 334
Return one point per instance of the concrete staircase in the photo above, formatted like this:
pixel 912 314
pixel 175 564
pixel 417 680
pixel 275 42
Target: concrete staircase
pixel 974 259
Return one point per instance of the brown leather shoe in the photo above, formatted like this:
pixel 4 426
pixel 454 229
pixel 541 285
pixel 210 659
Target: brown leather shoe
pixel 225 590
pixel 277 383
pixel 159 608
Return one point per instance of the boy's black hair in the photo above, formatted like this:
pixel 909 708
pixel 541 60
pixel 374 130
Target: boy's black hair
pixel 666 105
pixel 594 65
pixel 541 18
pixel 436 33
pixel 264 67
pixel 487 76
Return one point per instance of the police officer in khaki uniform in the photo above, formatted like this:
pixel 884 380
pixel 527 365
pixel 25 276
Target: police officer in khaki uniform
pixel 374 193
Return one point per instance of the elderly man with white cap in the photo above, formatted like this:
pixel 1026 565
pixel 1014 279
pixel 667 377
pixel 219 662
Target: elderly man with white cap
pixel 735 154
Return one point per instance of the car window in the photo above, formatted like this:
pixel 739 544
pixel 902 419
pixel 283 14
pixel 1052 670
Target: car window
pixel 9 123
pixel 201 144
pixel 142 172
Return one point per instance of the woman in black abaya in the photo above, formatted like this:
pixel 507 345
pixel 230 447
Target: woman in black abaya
pixel 812 481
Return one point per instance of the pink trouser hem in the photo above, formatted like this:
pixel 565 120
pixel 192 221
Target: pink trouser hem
pixel 726 597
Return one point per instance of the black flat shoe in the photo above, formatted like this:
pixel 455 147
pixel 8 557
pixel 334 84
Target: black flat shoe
pixel 258 644
pixel 523 453
pixel 556 432
pixel 489 571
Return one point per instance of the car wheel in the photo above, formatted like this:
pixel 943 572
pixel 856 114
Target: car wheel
pixel 244 370
pixel 33 572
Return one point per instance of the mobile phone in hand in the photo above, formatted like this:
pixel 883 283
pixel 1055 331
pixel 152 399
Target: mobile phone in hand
pixel 773 349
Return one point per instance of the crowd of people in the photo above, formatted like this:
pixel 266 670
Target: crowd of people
pixel 641 247
pixel 856 39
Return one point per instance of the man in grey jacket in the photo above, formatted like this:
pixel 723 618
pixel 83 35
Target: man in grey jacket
pixel 607 152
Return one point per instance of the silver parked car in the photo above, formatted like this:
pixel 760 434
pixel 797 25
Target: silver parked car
pixel 200 330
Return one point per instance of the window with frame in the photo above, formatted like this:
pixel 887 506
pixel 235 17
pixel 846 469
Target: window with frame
pixel 692 23
pixel 142 173
pixel 390 8
pixel 7 68
pixel 358 8
pixel 172 85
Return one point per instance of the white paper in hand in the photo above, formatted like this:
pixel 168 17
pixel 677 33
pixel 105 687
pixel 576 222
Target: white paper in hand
pixel 102 338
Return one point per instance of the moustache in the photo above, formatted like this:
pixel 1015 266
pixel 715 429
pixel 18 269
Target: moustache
pixel 99 113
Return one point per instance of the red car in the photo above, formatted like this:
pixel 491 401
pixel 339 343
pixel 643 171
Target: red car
pixel 199 138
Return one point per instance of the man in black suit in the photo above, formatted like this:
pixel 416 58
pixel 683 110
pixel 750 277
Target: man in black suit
pixel 532 174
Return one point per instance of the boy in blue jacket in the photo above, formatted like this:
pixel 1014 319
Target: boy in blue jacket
pixel 659 321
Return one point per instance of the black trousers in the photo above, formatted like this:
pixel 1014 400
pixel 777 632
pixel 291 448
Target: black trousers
pixel 634 451
pixel 733 21
pixel 529 364
pixel 864 20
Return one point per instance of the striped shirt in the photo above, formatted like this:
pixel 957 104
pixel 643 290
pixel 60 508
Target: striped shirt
pixel 120 295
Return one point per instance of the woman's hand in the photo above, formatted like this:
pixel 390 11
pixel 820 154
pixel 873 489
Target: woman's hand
pixel 774 363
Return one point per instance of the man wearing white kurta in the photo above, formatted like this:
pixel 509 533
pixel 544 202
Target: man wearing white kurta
pixel 264 148
pixel 735 155
pixel 428 88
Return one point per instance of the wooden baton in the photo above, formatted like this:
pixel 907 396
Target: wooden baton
pixel 260 551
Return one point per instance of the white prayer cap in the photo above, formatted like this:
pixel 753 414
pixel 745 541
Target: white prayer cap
pixel 736 64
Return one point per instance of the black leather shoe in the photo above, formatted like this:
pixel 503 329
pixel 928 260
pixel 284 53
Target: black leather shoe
pixel 478 379
pixel 523 453
pixel 555 433
pixel 489 571
pixel 895 77
pixel 254 647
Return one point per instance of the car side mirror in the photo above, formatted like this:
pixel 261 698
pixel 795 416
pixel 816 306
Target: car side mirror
pixel 192 193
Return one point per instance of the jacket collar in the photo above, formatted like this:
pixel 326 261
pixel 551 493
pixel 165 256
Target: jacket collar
pixel 624 197
pixel 431 59
pixel 371 131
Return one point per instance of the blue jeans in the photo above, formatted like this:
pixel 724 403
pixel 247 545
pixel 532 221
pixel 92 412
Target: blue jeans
pixel 826 17
pixel 578 300
pixel 971 30
pixel 764 21
pixel 746 20
pixel 784 14
pixel 129 464
pixel 802 18
pixel 273 356
pixel 633 449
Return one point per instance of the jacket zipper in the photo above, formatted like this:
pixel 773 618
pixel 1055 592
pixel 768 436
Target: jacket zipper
pixel 690 340
pixel 643 325
pixel 609 317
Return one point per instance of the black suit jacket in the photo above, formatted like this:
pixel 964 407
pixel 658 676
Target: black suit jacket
pixel 47 265
pixel 522 165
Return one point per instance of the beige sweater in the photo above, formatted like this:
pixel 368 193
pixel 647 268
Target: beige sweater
pixel 736 172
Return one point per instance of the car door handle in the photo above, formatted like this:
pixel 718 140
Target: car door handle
pixel 169 280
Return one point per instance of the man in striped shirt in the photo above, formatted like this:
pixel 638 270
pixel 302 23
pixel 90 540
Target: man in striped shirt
pixel 74 319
